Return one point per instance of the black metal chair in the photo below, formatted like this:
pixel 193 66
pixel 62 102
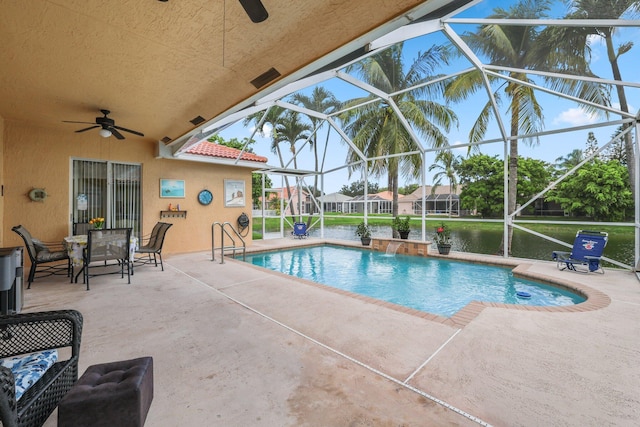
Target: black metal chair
pixel 46 259
pixel 21 334
pixel 111 244
pixel 153 246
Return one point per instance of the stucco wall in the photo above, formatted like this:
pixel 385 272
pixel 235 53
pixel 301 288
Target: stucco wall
pixel 38 157
pixel 1 182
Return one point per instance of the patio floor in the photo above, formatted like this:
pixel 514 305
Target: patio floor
pixel 236 346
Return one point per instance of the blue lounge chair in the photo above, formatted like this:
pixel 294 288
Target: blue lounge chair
pixel 300 230
pixel 587 252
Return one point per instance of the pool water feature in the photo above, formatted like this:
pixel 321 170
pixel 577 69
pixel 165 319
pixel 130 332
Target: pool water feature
pixel 435 286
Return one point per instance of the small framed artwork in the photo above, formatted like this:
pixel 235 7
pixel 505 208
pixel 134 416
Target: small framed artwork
pixel 172 188
pixel 234 193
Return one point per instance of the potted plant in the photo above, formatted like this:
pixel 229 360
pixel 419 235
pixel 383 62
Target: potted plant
pixel 443 239
pixel 402 226
pixel 364 232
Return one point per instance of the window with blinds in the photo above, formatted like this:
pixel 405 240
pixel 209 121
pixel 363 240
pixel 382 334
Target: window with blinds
pixel 108 190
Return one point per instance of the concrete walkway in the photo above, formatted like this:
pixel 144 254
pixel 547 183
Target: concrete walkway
pixel 234 345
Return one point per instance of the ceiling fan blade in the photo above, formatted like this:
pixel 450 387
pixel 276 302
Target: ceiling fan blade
pixel 86 129
pixel 86 123
pixel 128 130
pixel 255 9
pixel 115 133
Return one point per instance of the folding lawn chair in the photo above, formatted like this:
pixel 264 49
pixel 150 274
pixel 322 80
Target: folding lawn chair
pixel 300 230
pixel 586 253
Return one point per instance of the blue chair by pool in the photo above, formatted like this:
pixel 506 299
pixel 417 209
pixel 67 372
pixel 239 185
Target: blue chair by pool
pixel 586 253
pixel 300 230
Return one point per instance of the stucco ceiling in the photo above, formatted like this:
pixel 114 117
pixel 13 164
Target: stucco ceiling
pixel 159 64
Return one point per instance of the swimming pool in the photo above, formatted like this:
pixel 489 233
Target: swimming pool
pixel 436 286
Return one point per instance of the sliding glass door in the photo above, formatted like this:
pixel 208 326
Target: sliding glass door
pixel 108 190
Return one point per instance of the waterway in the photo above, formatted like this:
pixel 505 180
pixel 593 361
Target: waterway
pixel 524 245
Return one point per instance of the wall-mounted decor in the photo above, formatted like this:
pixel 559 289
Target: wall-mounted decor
pixel 233 193
pixel 172 188
pixel 205 197
pixel 37 194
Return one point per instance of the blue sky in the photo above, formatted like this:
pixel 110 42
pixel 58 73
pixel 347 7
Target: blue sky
pixel 558 113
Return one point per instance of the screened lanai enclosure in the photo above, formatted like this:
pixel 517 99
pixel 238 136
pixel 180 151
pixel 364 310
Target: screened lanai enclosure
pixel 408 101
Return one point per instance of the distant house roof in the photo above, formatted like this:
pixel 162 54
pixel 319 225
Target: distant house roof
pixel 370 198
pixel 334 197
pixel 387 195
pixel 210 149
pixel 440 189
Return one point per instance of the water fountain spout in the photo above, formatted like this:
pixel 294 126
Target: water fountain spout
pixel 392 247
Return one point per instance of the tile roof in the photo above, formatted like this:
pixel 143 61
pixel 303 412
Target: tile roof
pixel 210 149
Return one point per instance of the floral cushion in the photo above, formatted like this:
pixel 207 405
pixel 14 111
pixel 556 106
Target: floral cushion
pixel 29 368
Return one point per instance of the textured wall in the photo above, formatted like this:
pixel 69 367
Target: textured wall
pixel 39 157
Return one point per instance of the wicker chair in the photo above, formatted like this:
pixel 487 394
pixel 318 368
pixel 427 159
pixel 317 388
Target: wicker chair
pixel 153 246
pixel 29 332
pixel 46 259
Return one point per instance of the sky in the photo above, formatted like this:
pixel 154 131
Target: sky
pixel 558 113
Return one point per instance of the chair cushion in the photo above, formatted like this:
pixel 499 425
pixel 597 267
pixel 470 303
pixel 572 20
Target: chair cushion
pixel 40 247
pixel 51 256
pixel 29 368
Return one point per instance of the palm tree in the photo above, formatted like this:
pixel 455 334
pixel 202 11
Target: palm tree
pixel 564 163
pixel 377 131
pixel 521 47
pixel 272 117
pixel 290 129
pixel 322 101
pixel 446 163
pixel 607 9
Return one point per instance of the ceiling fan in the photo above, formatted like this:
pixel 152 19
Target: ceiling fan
pixel 108 126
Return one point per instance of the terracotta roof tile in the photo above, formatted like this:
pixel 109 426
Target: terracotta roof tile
pixel 210 149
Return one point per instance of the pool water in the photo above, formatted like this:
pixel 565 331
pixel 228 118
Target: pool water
pixel 436 286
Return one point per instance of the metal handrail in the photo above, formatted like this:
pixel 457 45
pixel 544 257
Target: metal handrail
pixel 234 248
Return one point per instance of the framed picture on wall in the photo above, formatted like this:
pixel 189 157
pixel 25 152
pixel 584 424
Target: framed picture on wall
pixel 234 193
pixel 172 188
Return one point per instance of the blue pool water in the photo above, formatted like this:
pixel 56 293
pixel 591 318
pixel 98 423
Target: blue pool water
pixel 433 285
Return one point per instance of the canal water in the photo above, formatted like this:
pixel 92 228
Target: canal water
pixel 524 245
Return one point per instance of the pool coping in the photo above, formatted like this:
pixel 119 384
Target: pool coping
pixel 594 299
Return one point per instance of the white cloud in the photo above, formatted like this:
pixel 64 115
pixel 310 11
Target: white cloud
pixel 574 117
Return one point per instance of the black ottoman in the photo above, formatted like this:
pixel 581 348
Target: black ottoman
pixel 110 394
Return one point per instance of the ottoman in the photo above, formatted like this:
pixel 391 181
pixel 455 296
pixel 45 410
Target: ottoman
pixel 110 394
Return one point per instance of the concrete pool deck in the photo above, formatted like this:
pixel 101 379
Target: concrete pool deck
pixel 234 345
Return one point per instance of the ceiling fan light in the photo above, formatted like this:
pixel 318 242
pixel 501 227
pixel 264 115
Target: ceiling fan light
pixel 105 133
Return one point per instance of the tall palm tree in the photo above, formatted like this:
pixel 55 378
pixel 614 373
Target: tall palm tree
pixel 272 117
pixel 521 47
pixel 607 9
pixel 377 130
pixel 290 129
pixel 445 163
pixel 322 101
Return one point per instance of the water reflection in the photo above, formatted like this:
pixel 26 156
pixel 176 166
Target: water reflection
pixel 524 245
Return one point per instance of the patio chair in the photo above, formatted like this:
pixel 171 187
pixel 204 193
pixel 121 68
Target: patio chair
pixel 31 361
pixel 300 230
pixel 103 246
pixel 80 228
pixel 585 256
pixel 46 258
pixel 153 246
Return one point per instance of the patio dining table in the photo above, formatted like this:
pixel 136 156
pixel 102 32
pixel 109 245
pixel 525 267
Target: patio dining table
pixel 75 245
